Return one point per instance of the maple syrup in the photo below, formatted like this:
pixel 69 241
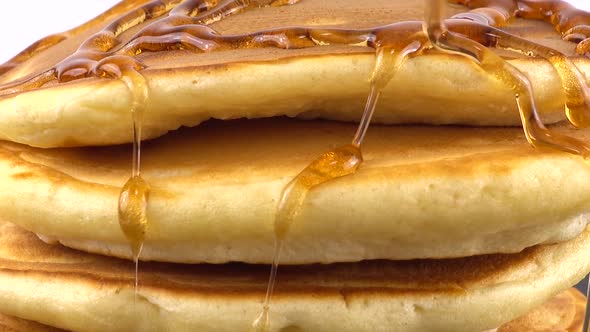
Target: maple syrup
pixel 133 198
pixel 328 167
pixel 179 24
pixel 342 161
pixel 566 19
pixel 536 133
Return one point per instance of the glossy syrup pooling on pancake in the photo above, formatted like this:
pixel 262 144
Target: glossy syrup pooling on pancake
pixel 571 22
pixel 184 25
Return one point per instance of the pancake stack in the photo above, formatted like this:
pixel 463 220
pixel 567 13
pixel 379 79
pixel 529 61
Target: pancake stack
pixel 453 221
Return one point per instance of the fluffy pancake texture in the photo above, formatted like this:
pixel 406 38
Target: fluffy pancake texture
pixel 423 192
pixel 329 82
pixel 82 292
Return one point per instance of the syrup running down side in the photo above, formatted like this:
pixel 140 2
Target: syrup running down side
pixel 346 160
pixel 134 194
pixel 536 133
pixel 577 93
pixel 183 25
pixel 339 162
pixel 572 23
pixel 103 55
pixel 566 19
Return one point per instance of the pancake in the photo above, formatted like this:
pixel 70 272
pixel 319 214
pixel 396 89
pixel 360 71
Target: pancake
pixel 82 292
pixel 423 192
pixel 13 324
pixel 564 312
pixel 331 82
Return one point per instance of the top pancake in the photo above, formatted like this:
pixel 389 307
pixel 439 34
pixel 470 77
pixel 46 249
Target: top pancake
pixel 186 88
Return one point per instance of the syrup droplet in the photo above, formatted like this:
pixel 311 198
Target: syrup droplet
pixel 262 323
pixel 339 162
pixel 185 27
pixel 132 212
pixel 336 163
pixel 132 218
pixel 133 198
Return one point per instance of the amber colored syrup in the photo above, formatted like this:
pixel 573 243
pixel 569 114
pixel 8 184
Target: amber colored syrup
pixel 328 167
pixel 567 20
pixel 133 198
pixel 577 91
pixel 178 24
pixel 185 27
pixel 339 162
pixel 574 85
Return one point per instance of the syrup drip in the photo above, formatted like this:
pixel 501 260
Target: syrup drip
pixel 577 107
pixel 572 23
pixel 339 162
pixel 185 28
pixel 536 133
pixel 328 167
pixel 133 198
pixel 105 43
pixel 567 19
pixel 103 55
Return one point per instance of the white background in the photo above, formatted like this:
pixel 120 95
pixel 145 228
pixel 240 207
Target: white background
pixel 24 22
